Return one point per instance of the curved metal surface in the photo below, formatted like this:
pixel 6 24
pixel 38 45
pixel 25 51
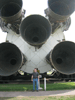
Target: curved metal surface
pixel 10 10
pixel 11 59
pixel 60 10
pixel 63 57
pixel 35 29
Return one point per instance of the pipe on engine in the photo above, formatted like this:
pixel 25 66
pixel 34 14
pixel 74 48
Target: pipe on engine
pixel 62 57
pixel 10 10
pixel 11 59
pixel 35 29
pixel 60 10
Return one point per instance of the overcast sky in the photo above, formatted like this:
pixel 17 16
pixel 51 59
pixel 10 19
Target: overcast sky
pixel 38 7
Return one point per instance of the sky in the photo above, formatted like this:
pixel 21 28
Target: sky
pixel 38 7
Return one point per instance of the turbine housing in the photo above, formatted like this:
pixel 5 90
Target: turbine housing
pixel 35 30
pixel 60 10
pixel 11 59
pixel 62 57
pixel 10 10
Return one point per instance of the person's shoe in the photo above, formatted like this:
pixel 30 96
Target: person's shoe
pixel 33 90
pixel 37 90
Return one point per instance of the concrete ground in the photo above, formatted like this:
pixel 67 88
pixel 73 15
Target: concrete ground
pixel 40 93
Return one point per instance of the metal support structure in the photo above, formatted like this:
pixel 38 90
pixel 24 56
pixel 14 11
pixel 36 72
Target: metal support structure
pixel 45 84
pixel 39 83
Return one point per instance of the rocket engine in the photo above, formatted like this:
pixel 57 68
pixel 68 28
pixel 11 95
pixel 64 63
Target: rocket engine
pixel 11 59
pixel 34 39
pixel 35 29
pixel 62 57
pixel 10 10
pixel 59 12
pixel 11 14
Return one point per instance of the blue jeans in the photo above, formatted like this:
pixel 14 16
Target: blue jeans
pixel 35 80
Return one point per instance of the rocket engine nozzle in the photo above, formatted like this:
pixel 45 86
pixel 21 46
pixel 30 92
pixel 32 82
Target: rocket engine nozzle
pixel 35 29
pixel 11 59
pixel 62 57
pixel 10 10
pixel 60 10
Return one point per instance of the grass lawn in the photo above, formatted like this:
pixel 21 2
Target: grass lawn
pixel 41 98
pixel 29 87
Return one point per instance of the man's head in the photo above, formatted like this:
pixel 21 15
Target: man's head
pixel 35 70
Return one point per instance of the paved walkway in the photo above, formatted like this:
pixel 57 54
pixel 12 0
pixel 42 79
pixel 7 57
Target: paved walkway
pixel 40 93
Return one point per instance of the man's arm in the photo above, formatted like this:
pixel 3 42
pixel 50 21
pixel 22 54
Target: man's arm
pixel 32 78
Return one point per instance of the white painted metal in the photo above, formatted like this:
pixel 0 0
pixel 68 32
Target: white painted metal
pixel 39 85
pixel 40 88
pixel 44 83
pixel 35 57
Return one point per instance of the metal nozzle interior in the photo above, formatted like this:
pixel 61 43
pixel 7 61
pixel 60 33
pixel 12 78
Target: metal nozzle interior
pixel 10 10
pixel 10 59
pixel 63 57
pixel 35 29
pixel 61 9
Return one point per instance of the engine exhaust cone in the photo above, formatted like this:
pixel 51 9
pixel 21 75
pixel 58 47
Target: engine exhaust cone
pixel 60 10
pixel 10 10
pixel 62 57
pixel 35 29
pixel 11 59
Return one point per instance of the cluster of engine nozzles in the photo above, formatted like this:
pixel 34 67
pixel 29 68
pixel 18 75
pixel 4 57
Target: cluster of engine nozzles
pixel 35 30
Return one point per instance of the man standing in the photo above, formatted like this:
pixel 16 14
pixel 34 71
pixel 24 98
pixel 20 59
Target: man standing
pixel 35 78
